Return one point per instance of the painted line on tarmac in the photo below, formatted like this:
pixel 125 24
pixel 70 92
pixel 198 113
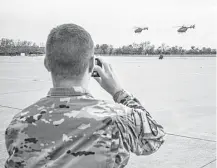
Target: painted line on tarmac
pixel 208 163
pixel 5 93
pixel 26 79
pixel 190 137
pixel 11 107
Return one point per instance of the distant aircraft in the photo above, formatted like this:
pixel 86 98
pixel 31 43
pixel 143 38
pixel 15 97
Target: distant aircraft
pixel 183 28
pixel 140 29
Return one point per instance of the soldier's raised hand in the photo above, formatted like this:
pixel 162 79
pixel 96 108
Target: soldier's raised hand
pixel 107 80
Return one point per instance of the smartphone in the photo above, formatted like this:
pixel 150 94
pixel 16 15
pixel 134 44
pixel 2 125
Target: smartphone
pixel 97 62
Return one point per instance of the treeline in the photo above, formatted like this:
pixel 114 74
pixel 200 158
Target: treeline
pixel 146 48
pixel 9 47
pixel 15 48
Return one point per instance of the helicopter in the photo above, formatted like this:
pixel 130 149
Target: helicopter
pixel 140 29
pixel 183 28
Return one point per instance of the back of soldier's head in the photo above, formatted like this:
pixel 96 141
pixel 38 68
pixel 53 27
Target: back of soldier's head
pixel 68 50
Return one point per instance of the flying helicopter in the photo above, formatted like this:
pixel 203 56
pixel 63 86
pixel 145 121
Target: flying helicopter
pixel 140 29
pixel 183 28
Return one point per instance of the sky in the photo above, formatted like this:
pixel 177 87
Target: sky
pixel 113 21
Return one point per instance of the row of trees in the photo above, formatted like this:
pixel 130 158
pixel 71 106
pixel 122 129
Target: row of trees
pixel 146 48
pixel 12 47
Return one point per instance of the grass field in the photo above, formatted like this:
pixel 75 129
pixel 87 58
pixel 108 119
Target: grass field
pixel 180 93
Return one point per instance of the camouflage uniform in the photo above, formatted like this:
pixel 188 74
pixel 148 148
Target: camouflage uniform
pixel 71 129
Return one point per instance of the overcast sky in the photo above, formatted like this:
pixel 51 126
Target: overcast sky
pixel 112 21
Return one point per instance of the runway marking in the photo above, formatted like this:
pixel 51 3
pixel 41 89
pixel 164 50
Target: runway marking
pixel 11 107
pixel 190 137
pixel 208 163
pixel 4 93
pixel 25 79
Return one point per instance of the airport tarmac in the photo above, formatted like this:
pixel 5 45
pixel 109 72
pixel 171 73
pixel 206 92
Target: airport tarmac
pixel 180 93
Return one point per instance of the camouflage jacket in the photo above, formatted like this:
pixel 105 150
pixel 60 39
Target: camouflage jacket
pixel 71 129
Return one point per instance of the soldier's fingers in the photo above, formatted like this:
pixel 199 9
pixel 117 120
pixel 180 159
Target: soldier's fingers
pixel 110 67
pixel 98 79
pixel 105 64
pixel 99 70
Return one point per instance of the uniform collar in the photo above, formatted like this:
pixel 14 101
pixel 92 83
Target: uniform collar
pixel 73 91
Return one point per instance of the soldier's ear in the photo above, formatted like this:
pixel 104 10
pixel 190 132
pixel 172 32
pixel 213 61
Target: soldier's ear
pixel 46 64
pixel 91 64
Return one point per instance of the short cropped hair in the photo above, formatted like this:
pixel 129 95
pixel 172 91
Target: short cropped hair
pixel 68 49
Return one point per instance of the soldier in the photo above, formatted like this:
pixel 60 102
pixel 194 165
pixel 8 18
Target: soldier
pixel 70 128
pixel 161 56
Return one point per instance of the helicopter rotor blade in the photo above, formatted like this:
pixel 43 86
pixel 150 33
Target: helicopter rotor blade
pixel 135 27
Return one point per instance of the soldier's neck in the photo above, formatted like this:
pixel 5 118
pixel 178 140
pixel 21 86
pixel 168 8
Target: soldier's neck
pixel 68 83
